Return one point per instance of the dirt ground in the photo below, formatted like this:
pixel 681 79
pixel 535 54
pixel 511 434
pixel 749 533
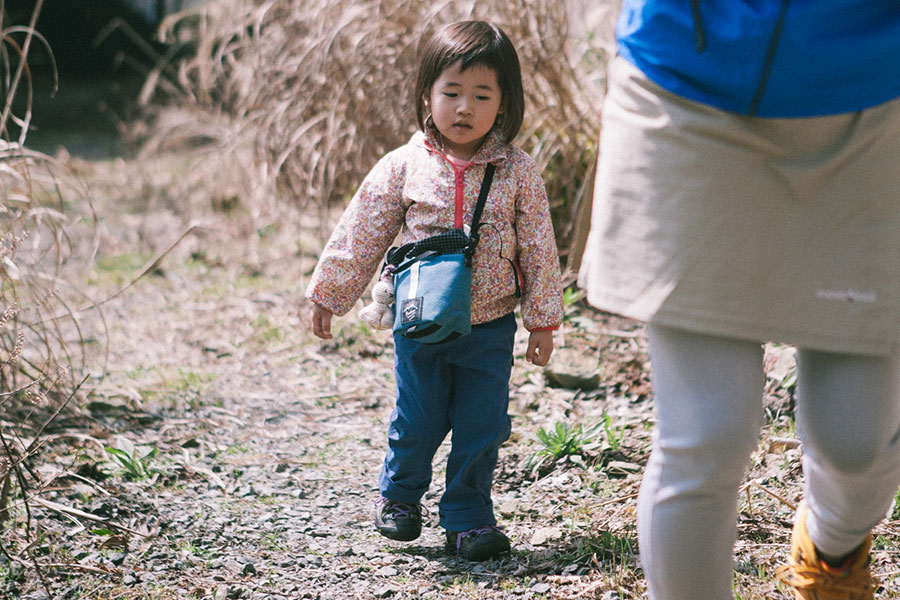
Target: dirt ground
pixel 252 450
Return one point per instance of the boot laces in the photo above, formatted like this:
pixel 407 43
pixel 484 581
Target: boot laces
pixel 850 584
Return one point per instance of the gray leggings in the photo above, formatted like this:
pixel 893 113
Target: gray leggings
pixel 708 399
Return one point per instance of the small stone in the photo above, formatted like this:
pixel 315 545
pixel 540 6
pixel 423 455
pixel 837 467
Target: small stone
pixel 542 535
pixel 387 591
pixel 386 571
pixel 573 369
pixel 238 592
pixel 540 588
pixel 508 506
pixel 233 564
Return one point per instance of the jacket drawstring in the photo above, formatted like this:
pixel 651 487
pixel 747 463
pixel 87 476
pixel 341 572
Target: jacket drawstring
pixel 770 58
pixel 699 32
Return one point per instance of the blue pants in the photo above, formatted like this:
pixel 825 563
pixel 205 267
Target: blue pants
pixel 463 386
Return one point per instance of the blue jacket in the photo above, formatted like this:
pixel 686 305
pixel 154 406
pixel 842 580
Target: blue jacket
pixel 768 58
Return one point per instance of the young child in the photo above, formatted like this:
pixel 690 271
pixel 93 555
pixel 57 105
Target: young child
pixel 469 107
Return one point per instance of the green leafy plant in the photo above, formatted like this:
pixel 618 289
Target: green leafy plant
pixel 605 544
pixel 132 461
pixel 571 297
pixel 614 434
pixel 574 442
pixel 564 441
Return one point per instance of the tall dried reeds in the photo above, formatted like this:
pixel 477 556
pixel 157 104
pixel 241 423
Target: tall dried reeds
pixel 297 100
pixel 41 352
pixel 34 243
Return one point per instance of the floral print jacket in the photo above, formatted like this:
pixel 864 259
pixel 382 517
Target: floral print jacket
pixel 413 191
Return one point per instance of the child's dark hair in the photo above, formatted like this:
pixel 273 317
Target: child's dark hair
pixel 474 43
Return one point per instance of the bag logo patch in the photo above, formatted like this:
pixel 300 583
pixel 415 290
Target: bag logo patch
pixel 410 310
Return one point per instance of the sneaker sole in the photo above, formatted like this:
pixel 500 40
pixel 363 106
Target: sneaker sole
pixel 398 536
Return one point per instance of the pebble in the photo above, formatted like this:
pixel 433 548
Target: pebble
pixel 540 588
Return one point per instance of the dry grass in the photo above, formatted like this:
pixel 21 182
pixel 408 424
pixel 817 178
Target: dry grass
pixel 42 354
pixel 39 205
pixel 297 100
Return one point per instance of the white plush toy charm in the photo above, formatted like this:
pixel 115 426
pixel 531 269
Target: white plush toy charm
pixel 380 314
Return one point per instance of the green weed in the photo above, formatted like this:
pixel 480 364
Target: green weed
pixel 463 586
pixel 119 268
pixel 133 461
pixel 614 434
pixel 564 441
pixel 574 442
pixel 606 544
pixel 271 541
pixel 571 296
pixel 187 380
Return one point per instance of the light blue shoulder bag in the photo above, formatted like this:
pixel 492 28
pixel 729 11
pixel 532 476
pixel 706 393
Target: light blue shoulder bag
pixel 433 280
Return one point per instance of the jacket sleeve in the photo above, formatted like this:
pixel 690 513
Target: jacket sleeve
pixel 542 299
pixel 358 243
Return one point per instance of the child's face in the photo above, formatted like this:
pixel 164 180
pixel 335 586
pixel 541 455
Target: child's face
pixel 464 106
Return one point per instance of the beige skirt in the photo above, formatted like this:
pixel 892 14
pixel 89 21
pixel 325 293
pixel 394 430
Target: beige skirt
pixel 782 230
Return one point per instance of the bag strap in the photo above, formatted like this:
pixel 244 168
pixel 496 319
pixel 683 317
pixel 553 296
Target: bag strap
pixel 479 208
pixel 454 240
pixel 482 199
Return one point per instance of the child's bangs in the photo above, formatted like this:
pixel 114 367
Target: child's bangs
pixel 481 59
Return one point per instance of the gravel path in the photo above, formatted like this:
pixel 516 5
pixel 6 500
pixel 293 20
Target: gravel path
pixel 266 446
pixel 254 449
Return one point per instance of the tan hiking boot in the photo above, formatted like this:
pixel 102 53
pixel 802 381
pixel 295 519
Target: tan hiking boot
pixel 813 579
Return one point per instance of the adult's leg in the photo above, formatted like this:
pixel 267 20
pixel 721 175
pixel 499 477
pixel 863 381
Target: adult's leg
pixel 480 421
pixel 848 417
pixel 708 399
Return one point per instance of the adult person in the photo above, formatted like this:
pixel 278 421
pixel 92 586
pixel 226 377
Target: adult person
pixel 747 191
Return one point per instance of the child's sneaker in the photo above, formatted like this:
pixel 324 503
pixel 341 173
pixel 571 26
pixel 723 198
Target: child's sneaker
pixel 480 543
pixel 398 520
pixel 813 579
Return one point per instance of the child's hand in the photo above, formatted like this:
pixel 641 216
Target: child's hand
pixel 540 347
pixel 321 322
